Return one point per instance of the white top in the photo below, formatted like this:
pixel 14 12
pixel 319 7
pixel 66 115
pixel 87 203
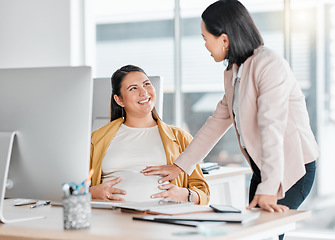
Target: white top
pixel 237 78
pixel 131 150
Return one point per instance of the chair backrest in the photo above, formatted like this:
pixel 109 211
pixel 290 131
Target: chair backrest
pixel 102 96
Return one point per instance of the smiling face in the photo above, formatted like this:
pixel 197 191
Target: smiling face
pixel 217 46
pixel 138 96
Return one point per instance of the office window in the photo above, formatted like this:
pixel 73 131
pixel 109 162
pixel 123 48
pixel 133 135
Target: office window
pixel 138 33
pixel 330 87
pixel 202 77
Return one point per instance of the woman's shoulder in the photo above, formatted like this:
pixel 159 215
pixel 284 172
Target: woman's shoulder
pixel 264 54
pixel 266 59
pixel 177 131
pixel 100 133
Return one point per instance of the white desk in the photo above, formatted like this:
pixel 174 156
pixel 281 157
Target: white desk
pixel 228 185
pixel 113 224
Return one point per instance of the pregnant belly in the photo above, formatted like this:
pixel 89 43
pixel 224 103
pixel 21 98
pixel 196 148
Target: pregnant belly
pixel 139 187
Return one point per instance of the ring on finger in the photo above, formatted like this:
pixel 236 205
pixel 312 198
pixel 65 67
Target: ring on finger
pixel 107 195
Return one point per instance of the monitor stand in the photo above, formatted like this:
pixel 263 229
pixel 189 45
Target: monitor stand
pixel 6 145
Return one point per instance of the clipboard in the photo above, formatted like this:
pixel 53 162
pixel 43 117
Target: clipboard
pixel 168 221
pixel 203 217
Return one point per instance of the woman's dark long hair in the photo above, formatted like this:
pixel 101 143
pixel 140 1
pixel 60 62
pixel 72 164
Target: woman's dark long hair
pixel 233 19
pixel 116 80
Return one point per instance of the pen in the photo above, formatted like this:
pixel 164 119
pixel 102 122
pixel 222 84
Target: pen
pixel 66 189
pixel 40 204
pixel 89 176
pixel 83 188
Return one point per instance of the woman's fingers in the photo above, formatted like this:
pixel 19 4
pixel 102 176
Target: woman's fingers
pixel 114 181
pixel 164 194
pixel 114 190
pixel 165 179
pixel 110 195
pixel 160 195
pixel 267 203
pixel 149 169
pixel 118 191
pixel 110 190
pixel 113 197
pixel 283 208
pixel 253 203
pixel 165 186
pixel 268 207
pixel 168 172
pixel 275 208
pixel 154 170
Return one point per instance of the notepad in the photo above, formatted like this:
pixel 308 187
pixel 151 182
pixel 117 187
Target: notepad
pixel 164 207
pixel 95 203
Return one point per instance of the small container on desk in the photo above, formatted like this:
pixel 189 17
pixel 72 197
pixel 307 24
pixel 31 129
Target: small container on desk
pixel 77 211
pixel 76 206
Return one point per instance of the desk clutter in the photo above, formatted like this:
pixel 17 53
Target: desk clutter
pixel 194 219
pixel 209 166
pixel 186 213
pixel 115 224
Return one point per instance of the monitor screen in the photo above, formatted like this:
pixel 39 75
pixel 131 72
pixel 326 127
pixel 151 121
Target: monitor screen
pixel 50 109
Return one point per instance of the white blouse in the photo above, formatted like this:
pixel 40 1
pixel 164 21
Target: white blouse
pixel 236 80
pixel 131 150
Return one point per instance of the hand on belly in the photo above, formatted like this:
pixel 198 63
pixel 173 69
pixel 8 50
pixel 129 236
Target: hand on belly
pixel 138 186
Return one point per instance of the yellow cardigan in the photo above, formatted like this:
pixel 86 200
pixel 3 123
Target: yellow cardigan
pixel 174 139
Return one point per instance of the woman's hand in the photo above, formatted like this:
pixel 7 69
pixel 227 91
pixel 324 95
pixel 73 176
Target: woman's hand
pixel 175 193
pixel 106 191
pixel 168 171
pixel 268 203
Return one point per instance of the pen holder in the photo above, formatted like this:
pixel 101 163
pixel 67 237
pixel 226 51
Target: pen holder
pixel 77 211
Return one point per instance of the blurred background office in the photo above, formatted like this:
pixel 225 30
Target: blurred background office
pixel 163 37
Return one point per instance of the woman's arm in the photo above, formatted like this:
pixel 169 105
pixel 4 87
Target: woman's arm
pixel 201 145
pixel 195 182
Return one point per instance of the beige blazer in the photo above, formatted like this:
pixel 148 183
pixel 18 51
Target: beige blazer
pixel 274 123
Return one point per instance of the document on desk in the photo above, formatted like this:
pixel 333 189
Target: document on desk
pixel 164 207
pixel 243 217
pixel 95 203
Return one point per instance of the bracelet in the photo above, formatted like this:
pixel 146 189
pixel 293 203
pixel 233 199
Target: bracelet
pixel 190 195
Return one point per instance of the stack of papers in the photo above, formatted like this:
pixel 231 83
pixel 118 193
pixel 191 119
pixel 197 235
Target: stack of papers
pixel 193 219
pixel 208 166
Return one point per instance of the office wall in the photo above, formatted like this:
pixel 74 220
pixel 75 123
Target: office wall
pixel 41 33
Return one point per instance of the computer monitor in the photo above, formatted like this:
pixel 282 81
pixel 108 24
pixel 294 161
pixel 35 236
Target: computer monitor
pixel 102 97
pixel 45 130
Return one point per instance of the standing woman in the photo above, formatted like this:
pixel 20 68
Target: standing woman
pixel 265 104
